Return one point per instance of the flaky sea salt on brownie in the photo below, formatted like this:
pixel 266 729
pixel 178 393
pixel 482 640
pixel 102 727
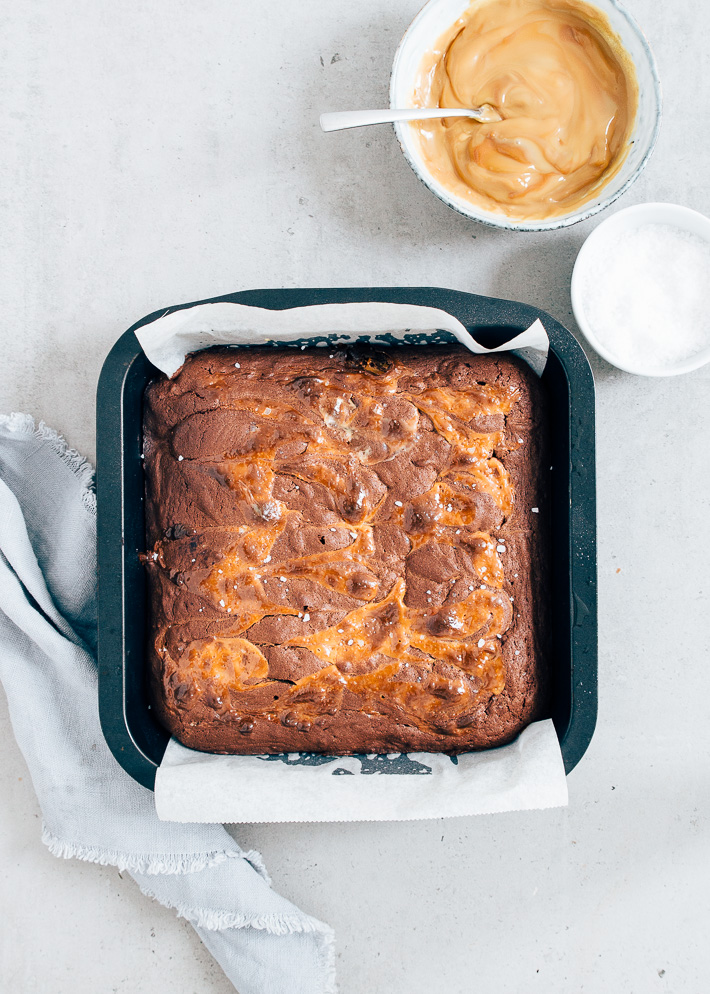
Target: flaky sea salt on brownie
pixel 347 549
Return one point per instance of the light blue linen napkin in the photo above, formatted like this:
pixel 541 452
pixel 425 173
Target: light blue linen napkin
pixel 92 809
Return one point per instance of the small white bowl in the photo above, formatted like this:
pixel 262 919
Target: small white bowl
pixel 435 18
pixel 606 235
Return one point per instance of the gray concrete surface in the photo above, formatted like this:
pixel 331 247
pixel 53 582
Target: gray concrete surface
pixel 163 152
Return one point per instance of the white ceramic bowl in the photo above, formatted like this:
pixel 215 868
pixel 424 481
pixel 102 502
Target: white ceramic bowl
pixel 435 18
pixel 605 237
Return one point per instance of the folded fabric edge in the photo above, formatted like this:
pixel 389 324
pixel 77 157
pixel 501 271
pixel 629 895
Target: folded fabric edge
pixel 218 921
pixel 165 863
pixel 24 424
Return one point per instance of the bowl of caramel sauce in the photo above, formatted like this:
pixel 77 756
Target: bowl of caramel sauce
pixel 575 105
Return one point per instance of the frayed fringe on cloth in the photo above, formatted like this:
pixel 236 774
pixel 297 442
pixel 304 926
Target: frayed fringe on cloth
pixel 207 918
pixel 24 424
pixel 217 921
pixel 168 863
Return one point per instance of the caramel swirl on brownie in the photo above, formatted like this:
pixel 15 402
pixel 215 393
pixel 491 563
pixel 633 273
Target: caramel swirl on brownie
pixel 343 554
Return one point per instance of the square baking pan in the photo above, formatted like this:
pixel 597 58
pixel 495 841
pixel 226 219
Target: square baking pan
pixel 133 734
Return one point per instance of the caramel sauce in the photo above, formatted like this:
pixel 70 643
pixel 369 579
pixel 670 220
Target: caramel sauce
pixel 387 629
pixel 488 476
pixel 476 444
pixel 253 480
pixel 485 398
pixel 214 667
pixel 392 629
pixel 564 95
pixel 343 570
pixel 435 662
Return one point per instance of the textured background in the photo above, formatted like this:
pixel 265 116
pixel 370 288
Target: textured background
pixel 163 152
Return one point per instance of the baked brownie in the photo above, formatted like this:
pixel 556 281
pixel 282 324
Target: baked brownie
pixel 347 549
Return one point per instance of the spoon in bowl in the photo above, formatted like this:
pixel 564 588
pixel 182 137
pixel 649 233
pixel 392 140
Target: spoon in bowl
pixel 340 120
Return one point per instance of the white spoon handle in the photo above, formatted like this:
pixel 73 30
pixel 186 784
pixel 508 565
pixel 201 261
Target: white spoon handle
pixel 359 118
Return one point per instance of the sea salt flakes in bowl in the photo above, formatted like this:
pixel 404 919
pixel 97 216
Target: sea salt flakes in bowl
pixel 640 289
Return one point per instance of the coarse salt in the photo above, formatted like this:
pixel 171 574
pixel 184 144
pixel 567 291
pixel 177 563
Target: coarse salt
pixel 645 296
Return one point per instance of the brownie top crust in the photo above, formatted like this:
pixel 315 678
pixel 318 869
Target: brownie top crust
pixel 347 550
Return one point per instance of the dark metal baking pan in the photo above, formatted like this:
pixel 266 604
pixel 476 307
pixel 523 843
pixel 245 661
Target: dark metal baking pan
pixel 133 734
